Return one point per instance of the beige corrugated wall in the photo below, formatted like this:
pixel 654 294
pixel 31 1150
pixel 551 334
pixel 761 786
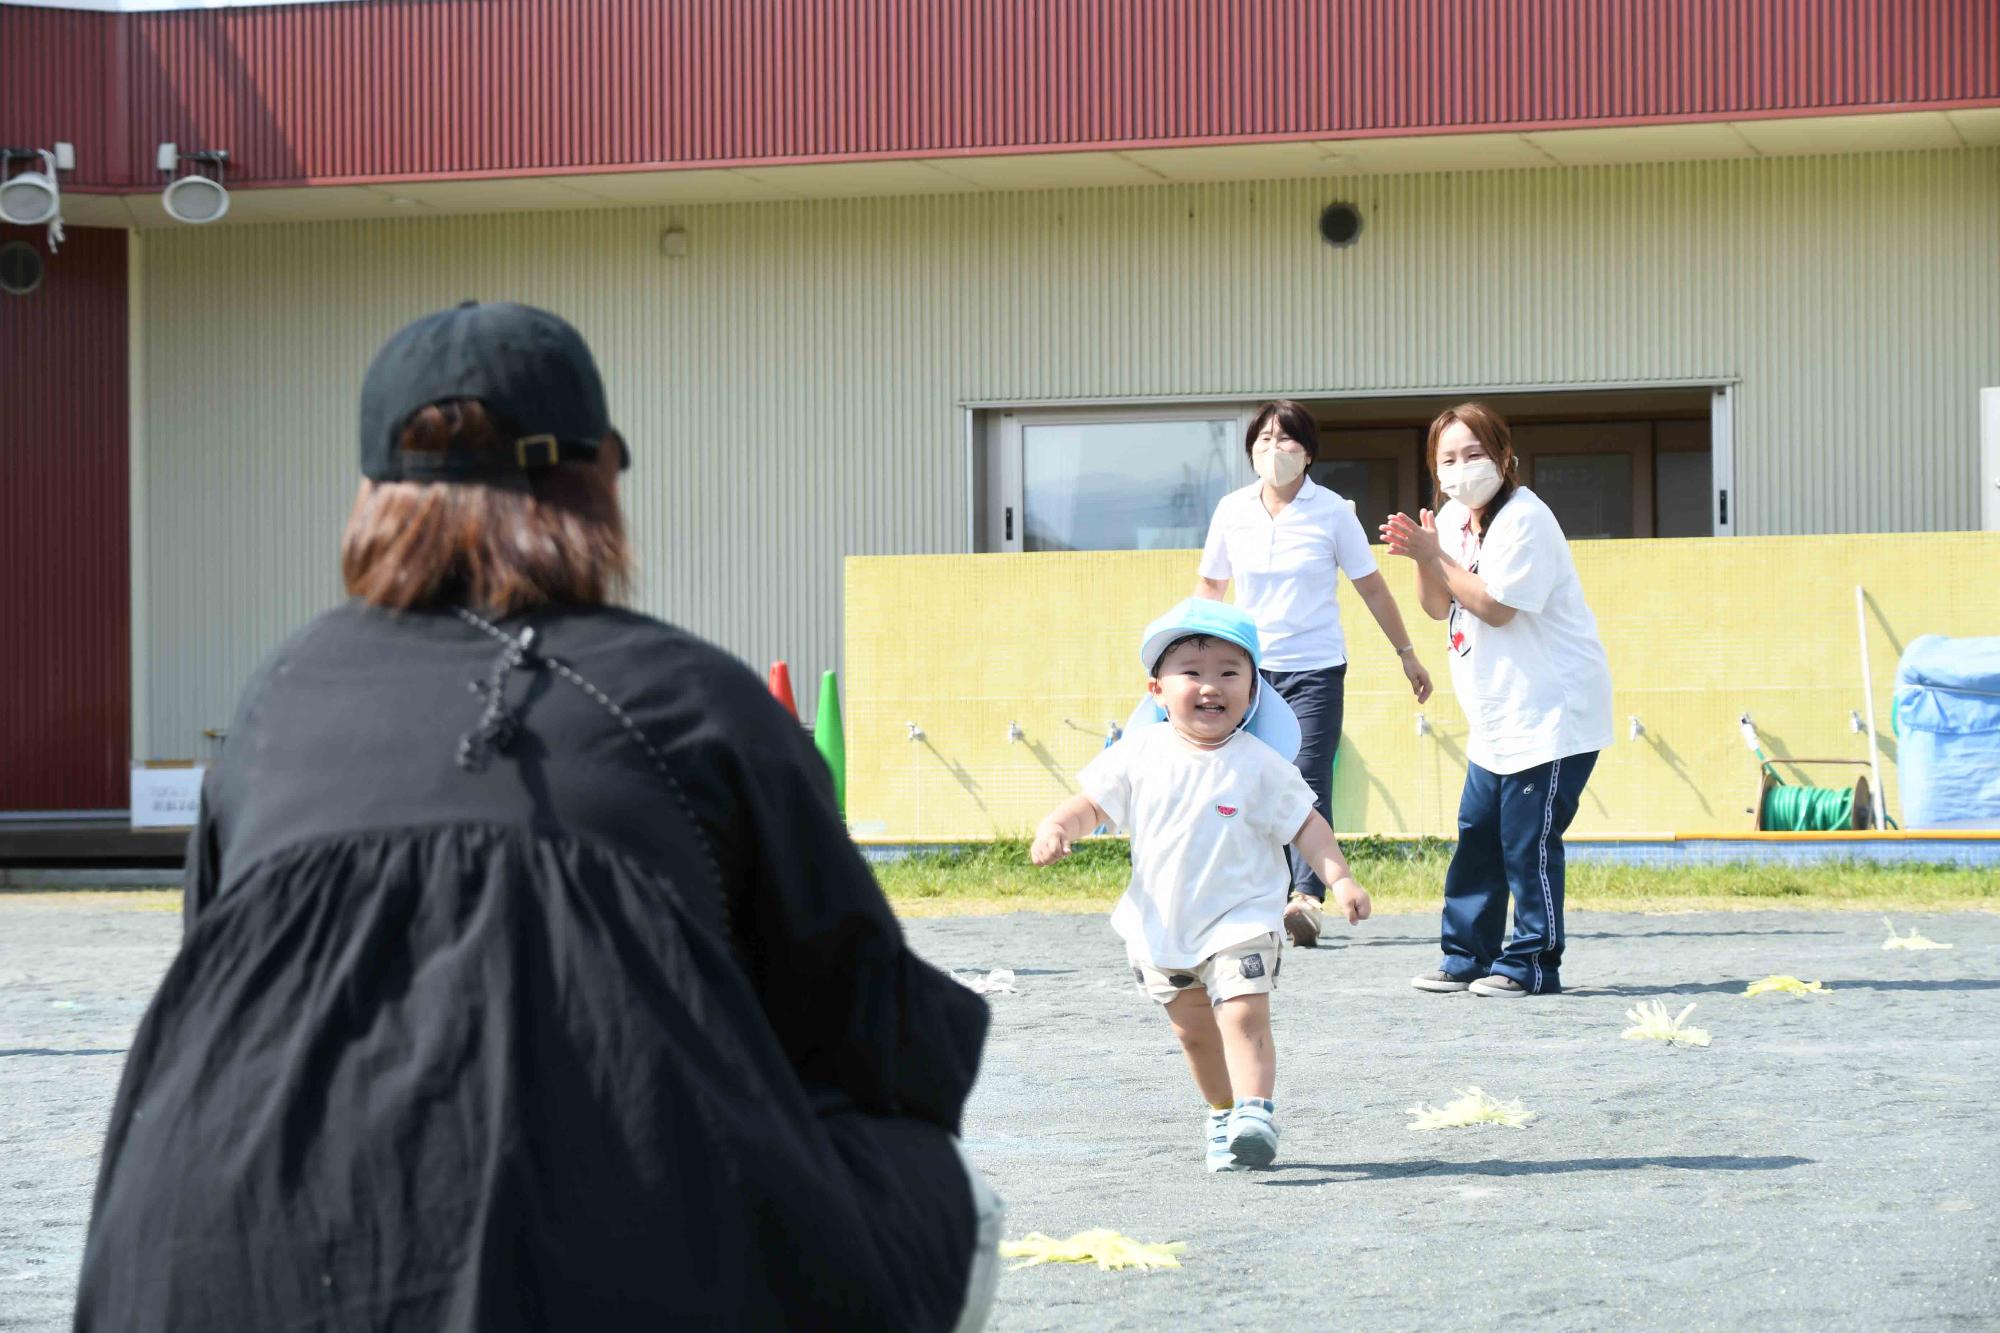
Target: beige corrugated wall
pixel 792 385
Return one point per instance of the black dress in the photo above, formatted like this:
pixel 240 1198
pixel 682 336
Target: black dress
pixel 531 1036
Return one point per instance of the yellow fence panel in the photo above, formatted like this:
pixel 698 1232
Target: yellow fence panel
pixel 1012 667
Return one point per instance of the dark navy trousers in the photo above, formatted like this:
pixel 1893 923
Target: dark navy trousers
pixel 1510 831
pixel 1317 696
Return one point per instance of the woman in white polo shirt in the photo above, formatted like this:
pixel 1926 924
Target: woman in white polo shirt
pixel 1286 540
pixel 1532 677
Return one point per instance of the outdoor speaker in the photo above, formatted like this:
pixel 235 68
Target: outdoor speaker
pixel 29 199
pixel 195 199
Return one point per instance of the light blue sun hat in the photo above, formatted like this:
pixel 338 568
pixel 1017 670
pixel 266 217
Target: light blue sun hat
pixel 1269 718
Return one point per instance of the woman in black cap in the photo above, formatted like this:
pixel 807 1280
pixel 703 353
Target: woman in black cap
pixel 558 1001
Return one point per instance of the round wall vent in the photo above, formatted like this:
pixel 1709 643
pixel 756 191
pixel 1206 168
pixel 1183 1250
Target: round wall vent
pixel 1339 224
pixel 20 268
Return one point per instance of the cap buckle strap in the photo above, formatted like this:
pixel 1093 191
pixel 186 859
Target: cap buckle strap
pixel 553 454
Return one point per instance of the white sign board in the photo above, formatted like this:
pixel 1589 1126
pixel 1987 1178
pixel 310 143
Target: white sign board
pixel 165 797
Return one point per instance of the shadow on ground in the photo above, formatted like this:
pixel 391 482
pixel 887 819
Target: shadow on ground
pixel 44 1050
pixel 1833 985
pixel 1354 1171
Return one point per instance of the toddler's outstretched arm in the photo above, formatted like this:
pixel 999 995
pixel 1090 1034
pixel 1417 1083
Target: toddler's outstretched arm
pixel 1321 850
pixel 1064 825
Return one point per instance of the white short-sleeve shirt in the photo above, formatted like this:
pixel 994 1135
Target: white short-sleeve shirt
pixel 1537 688
pixel 1287 569
pixel 1209 830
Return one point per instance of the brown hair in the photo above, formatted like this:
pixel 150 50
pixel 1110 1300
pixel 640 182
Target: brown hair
pixel 1295 420
pixel 1490 429
pixel 416 544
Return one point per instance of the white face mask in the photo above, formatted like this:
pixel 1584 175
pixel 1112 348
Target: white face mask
pixel 1471 483
pixel 1280 467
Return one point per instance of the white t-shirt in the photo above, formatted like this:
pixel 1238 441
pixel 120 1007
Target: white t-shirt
pixel 1537 688
pixel 1287 569
pixel 1209 830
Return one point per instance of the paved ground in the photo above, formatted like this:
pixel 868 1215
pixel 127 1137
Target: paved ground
pixel 1829 1161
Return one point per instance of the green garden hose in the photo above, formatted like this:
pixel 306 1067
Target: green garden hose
pixel 1808 809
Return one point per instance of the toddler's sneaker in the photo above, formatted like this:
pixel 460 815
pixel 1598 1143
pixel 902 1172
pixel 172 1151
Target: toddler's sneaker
pixel 1219 1156
pixel 1253 1133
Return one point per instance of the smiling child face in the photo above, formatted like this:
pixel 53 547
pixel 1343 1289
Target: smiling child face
pixel 1204 684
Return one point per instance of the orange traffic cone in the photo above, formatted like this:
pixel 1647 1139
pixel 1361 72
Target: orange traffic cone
pixel 781 688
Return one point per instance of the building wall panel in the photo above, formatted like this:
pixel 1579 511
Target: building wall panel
pixel 63 82
pixel 64 653
pixel 415 88
pixel 792 387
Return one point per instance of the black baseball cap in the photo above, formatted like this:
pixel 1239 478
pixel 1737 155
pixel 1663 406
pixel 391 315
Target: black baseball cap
pixel 533 373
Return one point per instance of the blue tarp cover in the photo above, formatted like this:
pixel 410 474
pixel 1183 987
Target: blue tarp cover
pixel 1948 722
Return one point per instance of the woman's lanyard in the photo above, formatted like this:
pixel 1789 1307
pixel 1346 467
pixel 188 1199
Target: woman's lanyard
pixel 1469 544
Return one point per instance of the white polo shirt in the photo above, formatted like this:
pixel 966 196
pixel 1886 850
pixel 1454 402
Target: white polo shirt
pixel 1287 569
pixel 1537 688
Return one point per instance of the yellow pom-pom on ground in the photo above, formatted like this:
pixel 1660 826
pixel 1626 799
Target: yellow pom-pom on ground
pixel 1651 1022
pixel 1789 985
pixel 1103 1247
pixel 1910 941
pixel 1472 1107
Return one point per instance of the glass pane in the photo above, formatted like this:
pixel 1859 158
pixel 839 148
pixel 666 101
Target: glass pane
pixel 1126 485
pixel 1681 489
pixel 1591 494
pixel 1369 482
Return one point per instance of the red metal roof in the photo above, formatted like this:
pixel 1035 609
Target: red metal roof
pixel 65 658
pixel 401 89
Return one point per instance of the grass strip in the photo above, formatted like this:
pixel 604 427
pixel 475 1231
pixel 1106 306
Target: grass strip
pixel 986 879
pixel 989 879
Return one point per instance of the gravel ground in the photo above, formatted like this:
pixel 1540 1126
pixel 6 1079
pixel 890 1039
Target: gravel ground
pixel 1829 1161
pixel 76 972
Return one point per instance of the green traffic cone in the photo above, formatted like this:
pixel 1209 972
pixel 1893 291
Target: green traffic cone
pixel 828 738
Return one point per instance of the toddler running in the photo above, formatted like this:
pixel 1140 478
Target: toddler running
pixel 1210 808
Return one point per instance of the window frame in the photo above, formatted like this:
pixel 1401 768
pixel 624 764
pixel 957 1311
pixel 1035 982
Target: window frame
pixel 993 446
pixel 1003 527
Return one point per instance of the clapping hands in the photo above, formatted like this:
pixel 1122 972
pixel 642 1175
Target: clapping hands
pixel 1416 538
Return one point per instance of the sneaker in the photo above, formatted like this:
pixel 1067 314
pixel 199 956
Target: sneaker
pixel 1219 1156
pixel 1302 917
pixel 1253 1133
pixel 1498 987
pixel 1441 982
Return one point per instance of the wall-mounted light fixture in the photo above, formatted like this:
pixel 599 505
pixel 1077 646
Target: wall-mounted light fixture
pixel 198 196
pixel 674 242
pixel 33 198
